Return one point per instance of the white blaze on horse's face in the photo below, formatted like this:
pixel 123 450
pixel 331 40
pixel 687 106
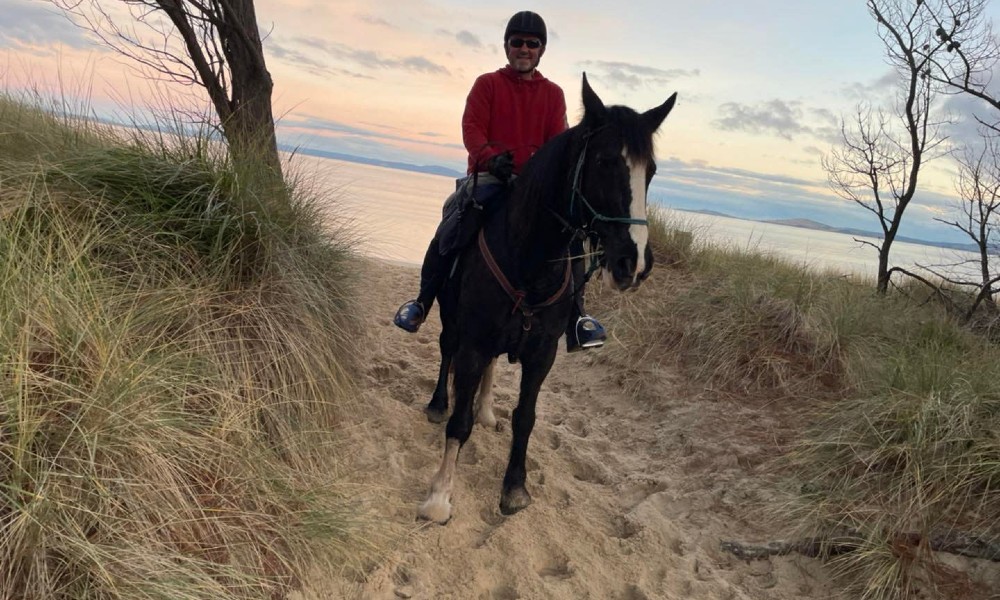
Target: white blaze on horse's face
pixel 637 210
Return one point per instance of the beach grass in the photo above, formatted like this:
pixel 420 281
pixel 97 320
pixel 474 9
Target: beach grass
pixel 176 347
pixel 900 401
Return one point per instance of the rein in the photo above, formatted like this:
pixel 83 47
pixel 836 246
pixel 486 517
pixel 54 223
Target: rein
pixel 518 296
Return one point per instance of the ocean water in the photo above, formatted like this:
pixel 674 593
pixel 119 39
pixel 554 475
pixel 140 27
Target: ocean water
pixel 396 213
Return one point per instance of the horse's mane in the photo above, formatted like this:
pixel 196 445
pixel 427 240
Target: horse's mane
pixel 638 141
pixel 548 173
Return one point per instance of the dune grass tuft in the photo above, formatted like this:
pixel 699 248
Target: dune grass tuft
pixel 175 358
pixel 904 401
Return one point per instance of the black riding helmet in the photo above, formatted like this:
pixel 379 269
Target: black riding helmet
pixel 528 23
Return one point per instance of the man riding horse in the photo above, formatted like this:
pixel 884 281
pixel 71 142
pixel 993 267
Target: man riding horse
pixel 509 114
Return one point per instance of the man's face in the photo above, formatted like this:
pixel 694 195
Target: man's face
pixel 524 59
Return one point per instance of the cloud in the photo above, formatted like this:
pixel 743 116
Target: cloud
pixel 963 113
pixel 373 20
pixel 468 39
pixel 28 25
pixel 376 132
pixel 779 118
pixel 634 76
pixel 307 63
pixel 774 117
pixel 358 58
pixel 884 87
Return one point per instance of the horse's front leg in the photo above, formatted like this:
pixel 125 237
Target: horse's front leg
pixel 534 369
pixel 437 408
pixel 469 366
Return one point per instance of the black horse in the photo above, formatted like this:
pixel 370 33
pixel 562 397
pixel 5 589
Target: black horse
pixel 512 290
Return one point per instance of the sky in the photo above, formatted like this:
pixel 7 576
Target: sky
pixel 762 86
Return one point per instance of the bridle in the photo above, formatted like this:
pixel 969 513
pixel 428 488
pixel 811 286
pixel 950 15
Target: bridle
pixel 585 231
pixel 577 194
pixel 581 232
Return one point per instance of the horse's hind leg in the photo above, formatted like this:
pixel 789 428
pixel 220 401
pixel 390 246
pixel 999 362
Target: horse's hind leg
pixel 533 372
pixel 437 408
pixel 484 401
pixel 468 370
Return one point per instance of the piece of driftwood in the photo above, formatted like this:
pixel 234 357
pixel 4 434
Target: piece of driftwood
pixel 954 542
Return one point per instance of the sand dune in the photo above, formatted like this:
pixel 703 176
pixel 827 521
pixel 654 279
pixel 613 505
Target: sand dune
pixel 632 495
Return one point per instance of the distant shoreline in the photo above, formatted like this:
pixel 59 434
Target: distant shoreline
pixel 817 226
pixel 800 223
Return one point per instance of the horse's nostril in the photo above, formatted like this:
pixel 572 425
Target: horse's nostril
pixel 626 266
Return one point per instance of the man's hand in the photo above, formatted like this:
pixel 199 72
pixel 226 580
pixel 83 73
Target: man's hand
pixel 501 166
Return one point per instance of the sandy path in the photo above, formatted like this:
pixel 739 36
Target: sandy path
pixel 632 494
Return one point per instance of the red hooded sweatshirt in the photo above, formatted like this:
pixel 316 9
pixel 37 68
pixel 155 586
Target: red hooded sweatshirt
pixel 504 112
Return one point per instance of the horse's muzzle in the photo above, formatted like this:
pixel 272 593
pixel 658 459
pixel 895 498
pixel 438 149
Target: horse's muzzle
pixel 622 271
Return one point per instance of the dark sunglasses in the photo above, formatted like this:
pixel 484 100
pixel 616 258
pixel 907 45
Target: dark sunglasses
pixel 518 42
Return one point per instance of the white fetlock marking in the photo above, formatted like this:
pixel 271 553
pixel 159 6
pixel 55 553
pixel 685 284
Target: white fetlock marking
pixel 484 400
pixel 437 507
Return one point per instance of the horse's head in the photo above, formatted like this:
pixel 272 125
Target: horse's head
pixel 611 177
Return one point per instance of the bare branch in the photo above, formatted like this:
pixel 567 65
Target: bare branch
pixel 214 44
pixel 878 163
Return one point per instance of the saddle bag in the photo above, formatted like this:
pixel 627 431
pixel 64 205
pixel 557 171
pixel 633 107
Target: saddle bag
pixel 466 209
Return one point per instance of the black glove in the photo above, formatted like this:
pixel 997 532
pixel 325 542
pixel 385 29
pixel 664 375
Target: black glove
pixel 501 166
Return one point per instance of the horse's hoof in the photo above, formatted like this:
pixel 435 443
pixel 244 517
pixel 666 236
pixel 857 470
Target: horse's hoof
pixel 514 500
pixel 436 416
pixel 436 508
pixel 488 421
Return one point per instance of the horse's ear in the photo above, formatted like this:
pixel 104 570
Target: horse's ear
pixel 653 117
pixel 593 108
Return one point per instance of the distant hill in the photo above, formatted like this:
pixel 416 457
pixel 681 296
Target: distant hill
pixel 428 169
pixel 810 224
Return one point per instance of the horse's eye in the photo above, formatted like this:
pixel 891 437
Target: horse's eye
pixel 606 162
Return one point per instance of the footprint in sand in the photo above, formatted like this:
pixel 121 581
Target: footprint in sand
pixel 469 454
pixel 624 527
pixel 503 592
pixel 492 518
pixel 428 352
pixel 578 426
pixel 555 567
pixel 415 461
pixel 426 384
pixel 634 493
pixel 589 472
pixel 384 372
pixel 634 592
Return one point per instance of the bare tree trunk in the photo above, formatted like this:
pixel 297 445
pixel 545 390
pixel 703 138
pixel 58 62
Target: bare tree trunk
pixel 222 52
pixel 882 281
pixel 250 126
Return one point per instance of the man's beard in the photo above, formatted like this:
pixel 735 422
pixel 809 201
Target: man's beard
pixel 525 65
